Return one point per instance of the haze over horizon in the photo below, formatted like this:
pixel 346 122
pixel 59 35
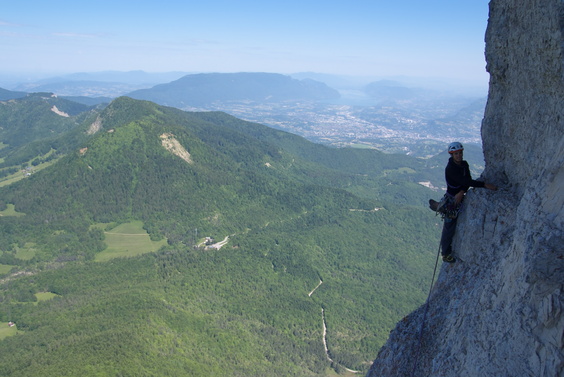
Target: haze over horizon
pixel 439 38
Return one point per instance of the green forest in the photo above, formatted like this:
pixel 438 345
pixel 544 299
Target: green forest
pixel 105 269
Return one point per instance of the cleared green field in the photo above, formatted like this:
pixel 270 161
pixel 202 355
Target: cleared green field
pixel 27 252
pixel 128 240
pixel 5 268
pixel 6 330
pixel 44 296
pixel 11 211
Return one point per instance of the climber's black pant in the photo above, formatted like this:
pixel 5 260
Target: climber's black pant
pixel 449 227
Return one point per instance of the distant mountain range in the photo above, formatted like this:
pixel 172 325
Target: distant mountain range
pixel 97 84
pixel 85 88
pixel 201 89
pixel 384 114
pixel 129 77
pixel 178 90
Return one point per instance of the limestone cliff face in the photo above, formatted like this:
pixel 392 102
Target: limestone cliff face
pixel 499 311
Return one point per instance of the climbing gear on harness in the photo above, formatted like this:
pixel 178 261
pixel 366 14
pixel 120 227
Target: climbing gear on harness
pixel 449 258
pixel 447 208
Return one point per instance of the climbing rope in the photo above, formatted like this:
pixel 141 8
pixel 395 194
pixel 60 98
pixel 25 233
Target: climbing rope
pixel 425 316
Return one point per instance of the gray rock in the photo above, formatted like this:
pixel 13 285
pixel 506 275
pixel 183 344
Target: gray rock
pixel 499 310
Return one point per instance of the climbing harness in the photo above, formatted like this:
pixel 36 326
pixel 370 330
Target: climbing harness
pixel 425 316
pixel 447 208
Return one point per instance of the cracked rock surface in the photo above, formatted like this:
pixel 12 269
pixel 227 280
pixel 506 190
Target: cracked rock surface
pixel 499 311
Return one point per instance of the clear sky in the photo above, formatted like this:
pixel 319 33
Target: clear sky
pixel 422 38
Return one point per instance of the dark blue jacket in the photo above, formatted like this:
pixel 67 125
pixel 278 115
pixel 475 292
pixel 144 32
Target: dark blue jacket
pixel 458 177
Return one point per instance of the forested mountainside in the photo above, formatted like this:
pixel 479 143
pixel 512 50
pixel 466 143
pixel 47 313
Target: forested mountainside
pixel 205 242
pixel 9 94
pixel 38 116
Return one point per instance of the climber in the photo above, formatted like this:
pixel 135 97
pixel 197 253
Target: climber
pixel 458 180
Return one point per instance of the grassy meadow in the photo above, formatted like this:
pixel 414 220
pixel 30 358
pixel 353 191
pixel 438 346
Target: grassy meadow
pixel 45 296
pixel 11 211
pixel 128 240
pixel 5 268
pixel 6 331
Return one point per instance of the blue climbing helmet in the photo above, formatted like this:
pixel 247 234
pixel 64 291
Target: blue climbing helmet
pixel 455 147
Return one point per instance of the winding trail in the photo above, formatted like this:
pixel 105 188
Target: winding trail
pixel 129 234
pixel 320 282
pixel 325 343
pixel 324 336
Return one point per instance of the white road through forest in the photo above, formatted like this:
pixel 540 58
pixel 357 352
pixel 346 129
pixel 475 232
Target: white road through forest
pixel 324 336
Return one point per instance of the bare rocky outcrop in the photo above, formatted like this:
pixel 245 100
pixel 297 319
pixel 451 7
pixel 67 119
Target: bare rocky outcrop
pixel 95 126
pixel 499 311
pixel 172 145
pixel 59 112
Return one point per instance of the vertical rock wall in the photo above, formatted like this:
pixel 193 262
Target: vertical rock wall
pixel 499 311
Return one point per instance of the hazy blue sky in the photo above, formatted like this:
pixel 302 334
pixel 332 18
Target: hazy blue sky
pixel 361 37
